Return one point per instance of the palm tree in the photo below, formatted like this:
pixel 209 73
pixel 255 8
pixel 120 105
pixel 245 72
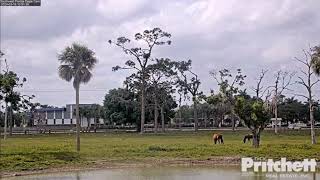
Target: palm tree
pixel 77 61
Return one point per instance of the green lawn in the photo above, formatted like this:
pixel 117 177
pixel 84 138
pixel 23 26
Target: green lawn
pixel 56 150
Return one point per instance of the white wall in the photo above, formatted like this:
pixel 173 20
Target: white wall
pixel 67 121
pixel 50 122
pixel 58 121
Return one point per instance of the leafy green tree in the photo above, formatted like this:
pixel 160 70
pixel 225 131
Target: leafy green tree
pixel 292 110
pixel 85 112
pixel 167 104
pixel 181 96
pixel 98 112
pixel 142 57
pixel 14 100
pixel 229 86
pixel 186 113
pixel 93 111
pixel 317 113
pixel 77 61
pixel 315 60
pixel 121 106
pixel 160 85
pixel 254 114
pixel 207 111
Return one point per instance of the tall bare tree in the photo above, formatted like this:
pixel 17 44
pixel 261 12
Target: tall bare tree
pixel 308 80
pixel 282 82
pixel 260 90
pixel 141 59
pixel 190 83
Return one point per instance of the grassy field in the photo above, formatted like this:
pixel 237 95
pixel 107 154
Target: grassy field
pixel 20 153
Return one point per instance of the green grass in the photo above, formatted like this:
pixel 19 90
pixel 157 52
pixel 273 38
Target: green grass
pixel 20 153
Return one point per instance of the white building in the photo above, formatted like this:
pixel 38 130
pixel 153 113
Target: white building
pixel 61 116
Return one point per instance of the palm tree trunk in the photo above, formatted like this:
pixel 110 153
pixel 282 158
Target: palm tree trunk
pixel 156 115
pixel 77 119
pixel 162 118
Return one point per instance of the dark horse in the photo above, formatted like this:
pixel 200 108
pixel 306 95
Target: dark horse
pixel 217 138
pixel 247 137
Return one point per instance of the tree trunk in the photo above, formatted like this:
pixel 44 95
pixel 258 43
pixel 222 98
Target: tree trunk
pixel 313 133
pixel 89 124
pixel 162 118
pixel 77 118
pixel 10 121
pixel 180 118
pixel 276 117
pixel 156 115
pixel 256 138
pixel 205 120
pixel 142 105
pixel 95 124
pixel 195 114
pixel 5 121
pixel 233 120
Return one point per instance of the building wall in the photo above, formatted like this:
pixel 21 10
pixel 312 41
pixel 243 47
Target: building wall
pixel 50 115
pixel 59 116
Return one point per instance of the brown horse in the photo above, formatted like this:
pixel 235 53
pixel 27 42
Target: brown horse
pixel 217 138
pixel 247 137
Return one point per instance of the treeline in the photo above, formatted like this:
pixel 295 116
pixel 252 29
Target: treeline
pixel 154 79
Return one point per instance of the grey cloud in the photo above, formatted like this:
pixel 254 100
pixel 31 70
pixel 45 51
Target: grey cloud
pixel 212 38
pixel 52 19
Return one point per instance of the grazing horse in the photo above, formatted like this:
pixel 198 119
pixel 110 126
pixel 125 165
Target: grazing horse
pixel 247 137
pixel 217 138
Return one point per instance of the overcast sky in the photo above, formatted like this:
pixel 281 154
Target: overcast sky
pixel 247 34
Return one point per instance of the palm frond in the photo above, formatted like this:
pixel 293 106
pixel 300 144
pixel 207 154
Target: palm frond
pixel 85 75
pixel 65 72
pixel 77 61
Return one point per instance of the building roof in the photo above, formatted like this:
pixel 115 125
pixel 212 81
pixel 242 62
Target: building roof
pixel 50 109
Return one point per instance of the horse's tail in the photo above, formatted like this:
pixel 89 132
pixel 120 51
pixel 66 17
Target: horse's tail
pixel 244 139
pixel 221 139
